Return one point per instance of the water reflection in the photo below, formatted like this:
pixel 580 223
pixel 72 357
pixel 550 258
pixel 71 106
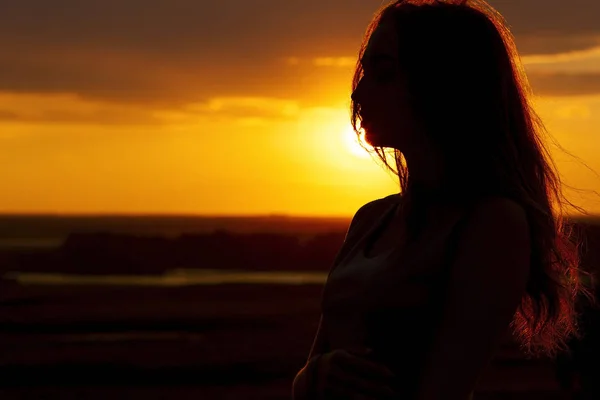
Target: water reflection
pixel 176 277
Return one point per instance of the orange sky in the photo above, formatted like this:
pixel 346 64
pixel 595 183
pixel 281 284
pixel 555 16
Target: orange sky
pixel 246 119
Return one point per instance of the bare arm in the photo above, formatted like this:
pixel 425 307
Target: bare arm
pixel 488 279
pixel 320 345
pixel 299 387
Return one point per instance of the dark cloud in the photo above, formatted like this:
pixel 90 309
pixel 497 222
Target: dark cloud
pixel 57 74
pixel 552 26
pixel 177 51
pixel 6 115
pixel 199 28
pixel 188 29
pixel 73 117
pixel 532 17
pixel 552 43
pixel 563 84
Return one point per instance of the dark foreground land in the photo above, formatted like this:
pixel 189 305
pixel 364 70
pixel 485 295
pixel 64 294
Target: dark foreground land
pixel 227 341
pixel 198 342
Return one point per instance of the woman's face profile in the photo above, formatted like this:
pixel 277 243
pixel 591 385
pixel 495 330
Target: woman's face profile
pixel 382 93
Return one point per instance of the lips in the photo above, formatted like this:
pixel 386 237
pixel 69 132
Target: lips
pixel 365 119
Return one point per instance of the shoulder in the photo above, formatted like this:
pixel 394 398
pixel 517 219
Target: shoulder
pixel 498 215
pixel 380 203
pixel 368 211
pixel 375 207
pixel 498 232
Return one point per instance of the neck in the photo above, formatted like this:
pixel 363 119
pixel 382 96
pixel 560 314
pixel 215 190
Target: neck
pixel 426 174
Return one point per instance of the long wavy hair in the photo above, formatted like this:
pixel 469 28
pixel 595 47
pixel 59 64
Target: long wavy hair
pixel 469 90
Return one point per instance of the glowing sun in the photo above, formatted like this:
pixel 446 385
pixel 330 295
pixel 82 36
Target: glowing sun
pixel 352 144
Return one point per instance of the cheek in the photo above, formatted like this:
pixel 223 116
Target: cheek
pixel 388 105
pixel 401 106
pixel 397 119
pixel 393 106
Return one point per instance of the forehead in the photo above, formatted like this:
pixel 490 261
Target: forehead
pixel 383 40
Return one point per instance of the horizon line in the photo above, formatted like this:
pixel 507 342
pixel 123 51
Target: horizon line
pixel 4 214
pixel 170 215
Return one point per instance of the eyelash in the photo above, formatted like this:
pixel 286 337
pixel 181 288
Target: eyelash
pixel 382 75
pixel 385 74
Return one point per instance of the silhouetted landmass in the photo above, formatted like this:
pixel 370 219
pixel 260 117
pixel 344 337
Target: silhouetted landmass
pixel 58 226
pixel 118 253
pixel 109 253
pixel 246 340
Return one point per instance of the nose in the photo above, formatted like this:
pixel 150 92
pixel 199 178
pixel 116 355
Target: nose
pixel 355 96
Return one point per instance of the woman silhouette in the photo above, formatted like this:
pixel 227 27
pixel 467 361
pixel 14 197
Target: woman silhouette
pixel 429 281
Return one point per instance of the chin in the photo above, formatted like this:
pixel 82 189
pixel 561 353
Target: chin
pixel 379 139
pixel 373 139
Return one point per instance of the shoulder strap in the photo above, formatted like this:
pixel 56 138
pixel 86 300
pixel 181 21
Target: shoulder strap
pixel 360 224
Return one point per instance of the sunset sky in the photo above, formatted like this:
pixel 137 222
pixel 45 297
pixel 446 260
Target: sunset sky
pixel 235 106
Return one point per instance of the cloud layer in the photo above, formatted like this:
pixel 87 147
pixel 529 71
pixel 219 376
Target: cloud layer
pixel 173 52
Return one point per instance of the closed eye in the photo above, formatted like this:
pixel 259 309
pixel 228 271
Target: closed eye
pixel 379 63
pixel 376 59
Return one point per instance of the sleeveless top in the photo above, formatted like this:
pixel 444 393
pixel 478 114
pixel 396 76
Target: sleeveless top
pixel 389 302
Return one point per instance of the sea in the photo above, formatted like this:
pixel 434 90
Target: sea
pixel 46 232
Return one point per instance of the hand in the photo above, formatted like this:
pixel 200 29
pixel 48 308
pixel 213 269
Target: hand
pixel 349 374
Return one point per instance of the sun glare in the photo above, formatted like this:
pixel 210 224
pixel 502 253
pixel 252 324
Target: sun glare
pixel 352 144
